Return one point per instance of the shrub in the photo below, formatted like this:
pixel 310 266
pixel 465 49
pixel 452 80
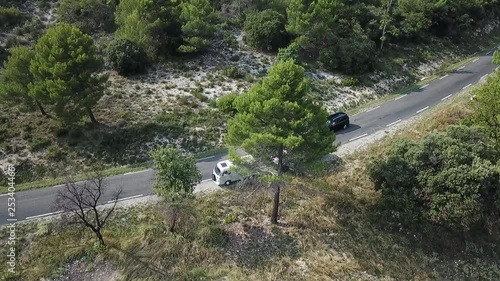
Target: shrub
pixel 126 57
pixel 226 103
pixel 265 30
pixel 91 16
pixel 289 53
pixel 449 178
pixel 349 55
pixel 54 153
pixel 233 72
pixel 229 39
pixel 39 143
pixel 10 17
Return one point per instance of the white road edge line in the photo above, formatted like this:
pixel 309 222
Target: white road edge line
pixel 467 86
pixel 400 97
pixel 358 137
pixel 393 123
pixel 475 60
pixel 206 180
pixel 209 157
pixel 372 109
pixel 424 86
pixel 4 194
pixel 447 97
pixel 444 77
pixel 131 173
pixel 484 76
pixel 461 68
pixel 43 215
pixel 423 109
pixel 126 198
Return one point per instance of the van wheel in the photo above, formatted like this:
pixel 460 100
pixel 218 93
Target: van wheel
pixel 227 183
pixel 346 125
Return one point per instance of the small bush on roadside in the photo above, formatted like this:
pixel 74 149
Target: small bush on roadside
pixel 449 178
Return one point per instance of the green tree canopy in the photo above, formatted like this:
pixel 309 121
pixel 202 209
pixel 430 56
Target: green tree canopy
pixel 16 77
pixel 198 25
pixel 449 178
pixel 64 72
pixel 176 173
pixel 277 118
pixel 154 25
pixel 265 30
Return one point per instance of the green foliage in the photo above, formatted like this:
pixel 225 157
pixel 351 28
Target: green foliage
pixel 349 55
pixel 176 174
pixel 153 25
pixel 265 30
pixel 10 17
pixel 226 103
pixel 15 78
pixel 198 26
pixel 64 71
pixel 487 106
pixel 496 57
pixel 91 16
pixel 449 178
pixel 277 115
pixel 289 53
pixel 233 72
pixel 126 57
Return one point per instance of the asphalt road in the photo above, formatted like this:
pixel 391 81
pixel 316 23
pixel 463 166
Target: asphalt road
pixel 40 202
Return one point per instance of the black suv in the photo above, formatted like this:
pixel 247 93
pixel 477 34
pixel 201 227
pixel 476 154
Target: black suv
pixel 338 121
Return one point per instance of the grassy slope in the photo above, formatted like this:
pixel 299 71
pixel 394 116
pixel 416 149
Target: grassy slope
pixel 330 230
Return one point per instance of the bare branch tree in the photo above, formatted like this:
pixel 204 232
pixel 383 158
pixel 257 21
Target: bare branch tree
pixel 82 202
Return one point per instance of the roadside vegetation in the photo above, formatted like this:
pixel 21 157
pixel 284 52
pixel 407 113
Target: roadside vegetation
pixel 422 204
pixel 155 71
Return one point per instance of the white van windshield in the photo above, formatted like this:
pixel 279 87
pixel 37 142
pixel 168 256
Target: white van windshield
pixel 217 171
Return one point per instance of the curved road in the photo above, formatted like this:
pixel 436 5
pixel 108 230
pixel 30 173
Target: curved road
pixel 40 202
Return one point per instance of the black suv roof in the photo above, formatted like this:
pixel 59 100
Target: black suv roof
pixel 337 115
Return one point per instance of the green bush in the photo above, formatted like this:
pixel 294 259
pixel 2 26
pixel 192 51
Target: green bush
pixel 10 17
pixel 226 103
pixel 265 30
pixel 449 178
pixel 54 153
pixel 349 55
pixel 91 16
pixel 126 57
pixel 39 143
pixel 289 53
pixel 233 72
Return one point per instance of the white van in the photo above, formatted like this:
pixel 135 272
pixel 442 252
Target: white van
pixel 222 174
pixel 225 173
